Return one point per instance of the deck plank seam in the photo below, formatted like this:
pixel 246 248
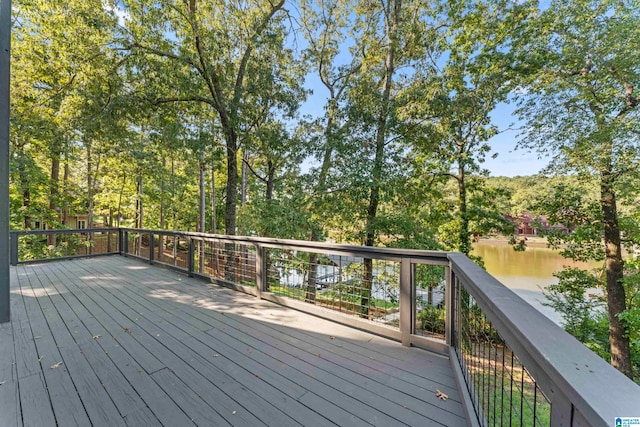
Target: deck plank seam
pixel 355 355
pixel 311 353
pixel 53 412
pixel 124 315
pixel 123 347
pixel 242 367
pixel 78 345
pixel 74 375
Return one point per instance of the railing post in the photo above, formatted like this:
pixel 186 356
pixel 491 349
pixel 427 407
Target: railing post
pixel 190 257
pixel 13 249
pixel 120 241
pixel 449 295
pixel 261 270
pixel 126 242
pixel 151 247
pixel 407 301
pixel 561 410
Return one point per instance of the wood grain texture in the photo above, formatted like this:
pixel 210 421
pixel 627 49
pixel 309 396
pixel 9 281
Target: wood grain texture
pixel 147 346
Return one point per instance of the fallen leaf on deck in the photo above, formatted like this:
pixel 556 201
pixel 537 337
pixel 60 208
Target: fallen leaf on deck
pixel 2 382
pixel 440 395
pixel 234 412
pixel 215 355
pixel 95 337
pixel 40 358
pixel 332 337
pixel 56 366
pixel 36 338
pixel 127 330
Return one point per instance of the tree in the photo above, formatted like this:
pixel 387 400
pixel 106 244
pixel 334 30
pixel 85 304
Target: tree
pixel 200 52
pixel 325 26
pixel 61 62
pixel 582 106
pixel 469 73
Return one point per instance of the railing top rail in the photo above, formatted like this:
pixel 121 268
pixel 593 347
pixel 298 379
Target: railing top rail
pixel 554 357
pixel 65 231
pixel 436 257
pixel 562 367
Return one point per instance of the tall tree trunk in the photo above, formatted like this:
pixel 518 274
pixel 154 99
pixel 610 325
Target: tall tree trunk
pixel 231 202
pixel 89 188
pixel 54 186
pixel 162 195
pixel 616 302
pixel 89 195
pixel 24 185
pixel 245 177
pixel 319 192
pixel 215 266
pixel 213 198
pixel 232 182
pixel 161 243
pixel 140 212
pixel 65 189
pixel 202 218
pixel 464 241
pixel 392 12
pixel 141 200
pixel 124 181
pixel 202 195
pixel 173 193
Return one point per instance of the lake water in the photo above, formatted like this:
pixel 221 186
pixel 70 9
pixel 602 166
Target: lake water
pixel 527 272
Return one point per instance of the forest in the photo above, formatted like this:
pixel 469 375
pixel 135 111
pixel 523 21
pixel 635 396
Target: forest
pixel 194 115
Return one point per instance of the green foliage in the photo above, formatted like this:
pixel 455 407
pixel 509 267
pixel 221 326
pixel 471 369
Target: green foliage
pixel 582 106
pixel 117 108
pixel 274 218
pixel 578 296
pixel 432 319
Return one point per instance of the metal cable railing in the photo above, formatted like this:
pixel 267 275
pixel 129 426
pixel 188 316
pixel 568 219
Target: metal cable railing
pixel 517 367
pixel 503 392
pixel 48 245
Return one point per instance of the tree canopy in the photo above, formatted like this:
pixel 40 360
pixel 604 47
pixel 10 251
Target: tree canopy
pixel 189 114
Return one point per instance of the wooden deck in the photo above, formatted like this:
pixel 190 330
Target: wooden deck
pixel 112 342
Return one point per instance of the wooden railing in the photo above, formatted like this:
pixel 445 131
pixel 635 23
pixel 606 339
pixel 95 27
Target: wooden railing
pixel 516 366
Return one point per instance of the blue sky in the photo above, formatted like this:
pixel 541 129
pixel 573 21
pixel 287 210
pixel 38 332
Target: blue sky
pixel 509 162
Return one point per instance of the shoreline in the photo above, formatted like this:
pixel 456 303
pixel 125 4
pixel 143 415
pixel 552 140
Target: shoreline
pixel 533 241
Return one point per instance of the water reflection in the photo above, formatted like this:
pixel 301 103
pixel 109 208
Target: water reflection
pixel 528 272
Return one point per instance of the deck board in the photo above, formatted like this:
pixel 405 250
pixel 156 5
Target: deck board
pixel 349 382
pixel 143 345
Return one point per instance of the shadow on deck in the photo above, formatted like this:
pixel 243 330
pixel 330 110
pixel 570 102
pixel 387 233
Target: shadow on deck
pixel 112 341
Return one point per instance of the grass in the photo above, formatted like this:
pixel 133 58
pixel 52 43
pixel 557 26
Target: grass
pixel 504 390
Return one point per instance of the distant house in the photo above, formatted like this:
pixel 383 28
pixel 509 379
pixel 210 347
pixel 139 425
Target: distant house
pixel 527 225
pixel 78 221
pixel 524 224
pixel 73 221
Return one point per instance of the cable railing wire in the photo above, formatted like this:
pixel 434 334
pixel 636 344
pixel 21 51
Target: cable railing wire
pixel 439 300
